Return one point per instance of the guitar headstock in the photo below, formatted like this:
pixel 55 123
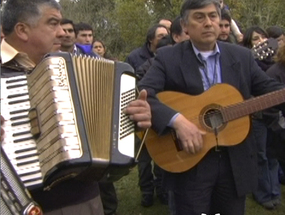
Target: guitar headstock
pixel 265 49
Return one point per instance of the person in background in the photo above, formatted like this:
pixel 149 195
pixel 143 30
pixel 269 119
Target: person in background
pixel 84 37
pixel 234 27
pixel 254 36
pixel 84 33
pixel 277 33
pixel 149 176
pixel 176 31
pixel 141 71
pixel 268 191
pixel 99 47
pixel 166 23
pixel 68 39
pixel 220 181
pixel 225 26
pixel 139 55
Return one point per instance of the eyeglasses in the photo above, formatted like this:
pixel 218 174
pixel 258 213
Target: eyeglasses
pixel 225 25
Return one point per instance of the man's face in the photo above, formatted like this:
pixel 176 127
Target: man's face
pixel 84 37
pixel 225 30
pixel 203 27
pixel 45 35
pixel 165 23
pixel 159 33
pixel 68 39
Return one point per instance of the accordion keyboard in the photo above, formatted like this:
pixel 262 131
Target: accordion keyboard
pixel 19 144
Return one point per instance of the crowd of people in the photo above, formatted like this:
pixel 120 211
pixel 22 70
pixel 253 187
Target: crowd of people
pixel 203 46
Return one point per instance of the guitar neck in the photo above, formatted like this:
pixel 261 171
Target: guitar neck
pixel 253 105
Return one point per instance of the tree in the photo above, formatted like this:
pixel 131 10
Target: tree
pixel 123 24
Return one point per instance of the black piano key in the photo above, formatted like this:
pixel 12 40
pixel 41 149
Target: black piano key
pixel 23 139
pixel 21 133
pixel 19 111
pixel 25 150
pixel 18 101
pixel 28 162
pixel 20 123
pixel 19 117
pixel 16 80
pixel 16 86
pixel 26 156
pixel 30 173
pixel 17 95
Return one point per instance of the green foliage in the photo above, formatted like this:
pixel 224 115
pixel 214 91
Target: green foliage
pixel 263 13
pixel 122 24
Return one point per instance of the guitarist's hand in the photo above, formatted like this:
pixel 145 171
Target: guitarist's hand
pixel 189 134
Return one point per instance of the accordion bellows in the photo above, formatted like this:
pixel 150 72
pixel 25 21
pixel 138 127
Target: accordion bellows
pixel 76 121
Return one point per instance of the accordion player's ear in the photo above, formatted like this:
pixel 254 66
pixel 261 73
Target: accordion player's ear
pixel 35 123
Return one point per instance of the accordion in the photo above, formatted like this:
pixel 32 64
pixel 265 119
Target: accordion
pixel 65 119
pixel 15 198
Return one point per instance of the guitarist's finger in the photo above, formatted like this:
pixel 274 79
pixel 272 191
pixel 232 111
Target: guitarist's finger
pixel 190 147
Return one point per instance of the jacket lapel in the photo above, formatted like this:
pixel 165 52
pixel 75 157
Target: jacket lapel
pixel 190 69
pixel 230 67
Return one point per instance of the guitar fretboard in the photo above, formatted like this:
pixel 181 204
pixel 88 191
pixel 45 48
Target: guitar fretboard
pixel 253 105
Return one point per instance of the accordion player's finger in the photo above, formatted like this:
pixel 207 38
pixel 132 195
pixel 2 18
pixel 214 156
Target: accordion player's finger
pixel 144 124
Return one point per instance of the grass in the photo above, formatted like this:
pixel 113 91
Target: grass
pixel 129 197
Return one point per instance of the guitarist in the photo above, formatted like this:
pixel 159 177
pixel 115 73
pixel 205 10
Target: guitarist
pixel 220 182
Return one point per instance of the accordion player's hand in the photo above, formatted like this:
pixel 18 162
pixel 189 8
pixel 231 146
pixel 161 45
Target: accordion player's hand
pixel 2 130
pixel 139 111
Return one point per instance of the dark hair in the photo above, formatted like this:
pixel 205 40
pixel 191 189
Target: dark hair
pixel 151 32
pixel 176 28
pixel 164 41
pixel 100 41
pixel 226 16
pixel 248 35
pixel 15 11
pixel 67 21
pixel 274 32
pixel 81 26
pixel 196 4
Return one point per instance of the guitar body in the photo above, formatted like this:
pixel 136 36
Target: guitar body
pixel 197 109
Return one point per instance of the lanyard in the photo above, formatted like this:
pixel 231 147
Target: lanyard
pixel 209 81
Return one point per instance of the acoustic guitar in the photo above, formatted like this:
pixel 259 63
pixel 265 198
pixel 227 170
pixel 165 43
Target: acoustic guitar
pixel 221 111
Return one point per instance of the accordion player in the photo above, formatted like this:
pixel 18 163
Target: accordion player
pixel 65 119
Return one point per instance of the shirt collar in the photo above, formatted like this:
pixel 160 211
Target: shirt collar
pixel 9 53
pixel 216 51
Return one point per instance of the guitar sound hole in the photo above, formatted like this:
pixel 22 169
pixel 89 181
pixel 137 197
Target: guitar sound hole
pixel 213 119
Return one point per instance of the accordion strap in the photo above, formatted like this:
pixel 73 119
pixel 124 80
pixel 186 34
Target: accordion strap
pixel 12 68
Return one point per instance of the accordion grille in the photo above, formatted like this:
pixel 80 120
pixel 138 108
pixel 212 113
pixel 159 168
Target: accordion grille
pixel 96 81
